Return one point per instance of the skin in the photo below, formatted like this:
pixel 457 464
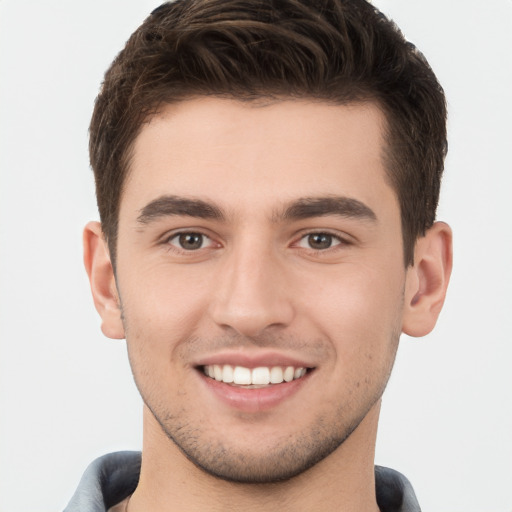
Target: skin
pixel 256 289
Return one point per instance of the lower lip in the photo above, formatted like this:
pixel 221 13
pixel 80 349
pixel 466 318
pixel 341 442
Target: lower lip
pixel 255 399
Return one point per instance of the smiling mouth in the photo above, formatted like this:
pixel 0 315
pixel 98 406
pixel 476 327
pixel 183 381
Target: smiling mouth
pixel 254 377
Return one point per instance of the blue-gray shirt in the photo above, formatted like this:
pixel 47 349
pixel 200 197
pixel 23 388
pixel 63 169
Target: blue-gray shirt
pixel 113 477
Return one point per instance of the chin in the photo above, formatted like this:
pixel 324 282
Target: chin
pixel 266 461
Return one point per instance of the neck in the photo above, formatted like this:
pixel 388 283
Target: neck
pixel 342 481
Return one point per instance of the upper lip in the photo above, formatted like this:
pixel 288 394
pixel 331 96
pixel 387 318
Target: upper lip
pixel 254 360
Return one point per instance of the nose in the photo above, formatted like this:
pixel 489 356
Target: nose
pixel 252 293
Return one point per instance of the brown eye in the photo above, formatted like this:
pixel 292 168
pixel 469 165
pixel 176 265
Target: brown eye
pixel 320 241
pixel 190 241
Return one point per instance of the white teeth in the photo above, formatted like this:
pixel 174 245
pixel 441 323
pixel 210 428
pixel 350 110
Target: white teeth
pixel 288 374
pixel 260 376
pixel 227 373
pixel 276 375
pixel 217 372
pixel 242 375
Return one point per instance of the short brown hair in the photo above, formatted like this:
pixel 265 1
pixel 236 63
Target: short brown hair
pixel 340 51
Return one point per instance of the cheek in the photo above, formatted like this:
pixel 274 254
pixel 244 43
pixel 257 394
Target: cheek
pixel 161 310
pixel 359 309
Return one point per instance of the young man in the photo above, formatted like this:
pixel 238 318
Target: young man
pixel 267 177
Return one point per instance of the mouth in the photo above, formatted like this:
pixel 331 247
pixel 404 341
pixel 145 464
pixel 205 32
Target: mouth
pixel 254 378
pixel 255 383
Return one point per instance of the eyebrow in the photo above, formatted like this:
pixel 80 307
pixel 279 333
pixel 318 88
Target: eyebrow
pixel 308 207
pixel 166 206
pixel 303 208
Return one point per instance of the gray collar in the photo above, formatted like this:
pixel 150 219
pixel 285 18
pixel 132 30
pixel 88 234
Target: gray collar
pixel 113 477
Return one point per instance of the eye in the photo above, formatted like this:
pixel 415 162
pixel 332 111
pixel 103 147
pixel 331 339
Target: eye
pixel 189 241
pixel 319 241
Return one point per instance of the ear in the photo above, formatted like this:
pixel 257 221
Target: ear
pixel 427 280
pixel 101 277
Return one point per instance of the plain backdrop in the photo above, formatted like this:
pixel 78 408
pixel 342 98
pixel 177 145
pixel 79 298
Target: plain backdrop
pixel 66 392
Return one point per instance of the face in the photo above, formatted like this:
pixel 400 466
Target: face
pixel 261 277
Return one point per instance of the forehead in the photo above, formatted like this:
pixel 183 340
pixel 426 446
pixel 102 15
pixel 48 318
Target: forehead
pixel 256 154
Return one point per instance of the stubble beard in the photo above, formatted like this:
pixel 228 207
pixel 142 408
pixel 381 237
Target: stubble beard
pixel 281 460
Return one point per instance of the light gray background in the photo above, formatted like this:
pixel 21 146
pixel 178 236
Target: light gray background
pixel 66 393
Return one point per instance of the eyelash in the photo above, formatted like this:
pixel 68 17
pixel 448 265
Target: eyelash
pixel 335 240
pixel 179 234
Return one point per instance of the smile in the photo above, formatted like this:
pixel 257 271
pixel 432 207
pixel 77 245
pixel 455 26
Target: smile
pixel 260 376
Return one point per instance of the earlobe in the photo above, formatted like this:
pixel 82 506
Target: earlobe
pixel 427 280
pixel 102 280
